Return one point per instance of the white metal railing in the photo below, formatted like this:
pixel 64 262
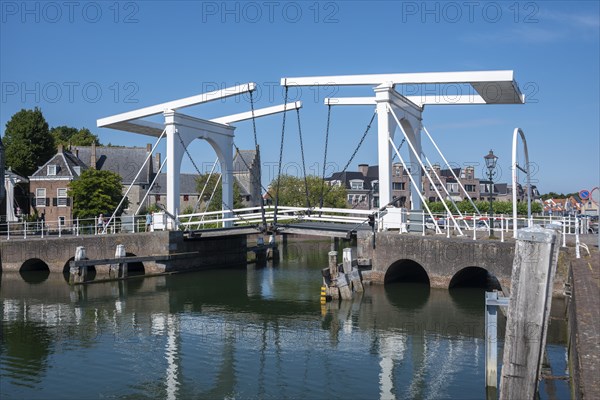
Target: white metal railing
pixel 253 215
pixel 72 227
pixel 474 226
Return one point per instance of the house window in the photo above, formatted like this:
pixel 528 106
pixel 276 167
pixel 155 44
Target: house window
pixel 52 170
pixel 40 197
pixel 470 188
pixel 61 221
pixel 61 195
pixel 356 185
pixel 397 185
pixel 77 169
pixel 452 187
pixel 186 197
pixel 157 197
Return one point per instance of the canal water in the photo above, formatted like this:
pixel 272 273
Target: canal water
pixel 246 333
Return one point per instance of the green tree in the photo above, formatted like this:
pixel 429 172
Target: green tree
pixel 27 141
pixel 96 192
pixel 215 203
pixel 292 192
pixel 500 207
pixel 67 135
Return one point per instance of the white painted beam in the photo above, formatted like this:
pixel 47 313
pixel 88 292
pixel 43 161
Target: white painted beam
pixel 402 78
pixel 418 100
pixel 176 104
pixel 261 112
pixel 493 87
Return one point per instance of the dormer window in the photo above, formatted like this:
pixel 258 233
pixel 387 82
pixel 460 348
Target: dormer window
pixel 77 169
pixel 356 184
pixel 52 170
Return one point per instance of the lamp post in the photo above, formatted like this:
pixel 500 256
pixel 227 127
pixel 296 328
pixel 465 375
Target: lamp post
pixel 490 163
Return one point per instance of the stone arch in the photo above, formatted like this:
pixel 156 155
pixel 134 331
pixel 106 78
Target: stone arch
pixel 34 270
pixel 474 276
pixel 135 268
pixel 406 270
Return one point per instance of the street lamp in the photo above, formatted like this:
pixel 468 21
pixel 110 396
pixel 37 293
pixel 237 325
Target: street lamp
pixel 490 163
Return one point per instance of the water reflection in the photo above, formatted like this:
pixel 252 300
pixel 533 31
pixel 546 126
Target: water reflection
pixel 256 332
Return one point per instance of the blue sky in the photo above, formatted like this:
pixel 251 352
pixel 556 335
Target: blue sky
pixel 86 60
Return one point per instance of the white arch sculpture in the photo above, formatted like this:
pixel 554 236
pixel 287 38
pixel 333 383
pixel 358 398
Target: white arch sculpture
pixel 515 165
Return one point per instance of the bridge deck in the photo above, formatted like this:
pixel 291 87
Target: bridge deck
pixel 304 228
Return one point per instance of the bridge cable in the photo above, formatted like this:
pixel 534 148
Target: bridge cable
pixel 362 139
pixel 394 156
pixel 259 177
pixel 280 155
pixel 200 173
pixel 325 155
pixel 303 163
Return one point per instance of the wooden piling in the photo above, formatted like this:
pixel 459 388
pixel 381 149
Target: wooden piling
pixel 78 274
pixel 342 284
pixel 118 270
pixel 333 267
pixel 528 311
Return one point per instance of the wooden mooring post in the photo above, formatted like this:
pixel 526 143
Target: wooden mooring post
pixel 492 302
pixel 351 269
pixel 334 292
pixel 534 265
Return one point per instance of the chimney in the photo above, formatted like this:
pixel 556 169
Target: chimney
pixel 76 152
pixel 148 147
pixel 363 169
pixel 470 172
pixel 60 148
pixel 93 158
pixel 158 161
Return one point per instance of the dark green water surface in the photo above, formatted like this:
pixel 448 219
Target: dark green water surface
pixel 245 333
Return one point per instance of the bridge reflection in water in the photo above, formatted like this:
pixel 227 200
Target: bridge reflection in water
pixel 241 333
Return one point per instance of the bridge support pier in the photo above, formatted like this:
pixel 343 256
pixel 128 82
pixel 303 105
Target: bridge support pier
pixel 78 274
pixel 273 249
pixel 118 270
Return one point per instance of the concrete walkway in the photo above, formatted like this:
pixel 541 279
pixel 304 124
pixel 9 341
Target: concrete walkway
pixel 586 324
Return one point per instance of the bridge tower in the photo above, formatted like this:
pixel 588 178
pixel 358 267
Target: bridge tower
pixel 404 111
pixel 181 129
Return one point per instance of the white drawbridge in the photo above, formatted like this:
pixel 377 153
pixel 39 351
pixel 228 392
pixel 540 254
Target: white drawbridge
pixel 181 129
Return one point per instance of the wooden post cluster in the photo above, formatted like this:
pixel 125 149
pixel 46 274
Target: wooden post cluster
pixel 342 282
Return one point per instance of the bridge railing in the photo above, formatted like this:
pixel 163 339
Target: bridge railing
pixel 253 215
pixel 479 226
pixel 71 227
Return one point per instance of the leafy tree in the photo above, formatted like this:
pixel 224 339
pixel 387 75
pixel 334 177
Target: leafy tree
pixel 292 192
pixel 96 192
pixel 27 141
pixel 215 203
pixel 67 135
pixel 500 207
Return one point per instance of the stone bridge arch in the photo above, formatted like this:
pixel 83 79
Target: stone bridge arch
pixel 474 277
pixel 441 258
pixel 406 270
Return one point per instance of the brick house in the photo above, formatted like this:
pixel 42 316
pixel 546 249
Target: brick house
pixel 363 189
pixel 49 184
